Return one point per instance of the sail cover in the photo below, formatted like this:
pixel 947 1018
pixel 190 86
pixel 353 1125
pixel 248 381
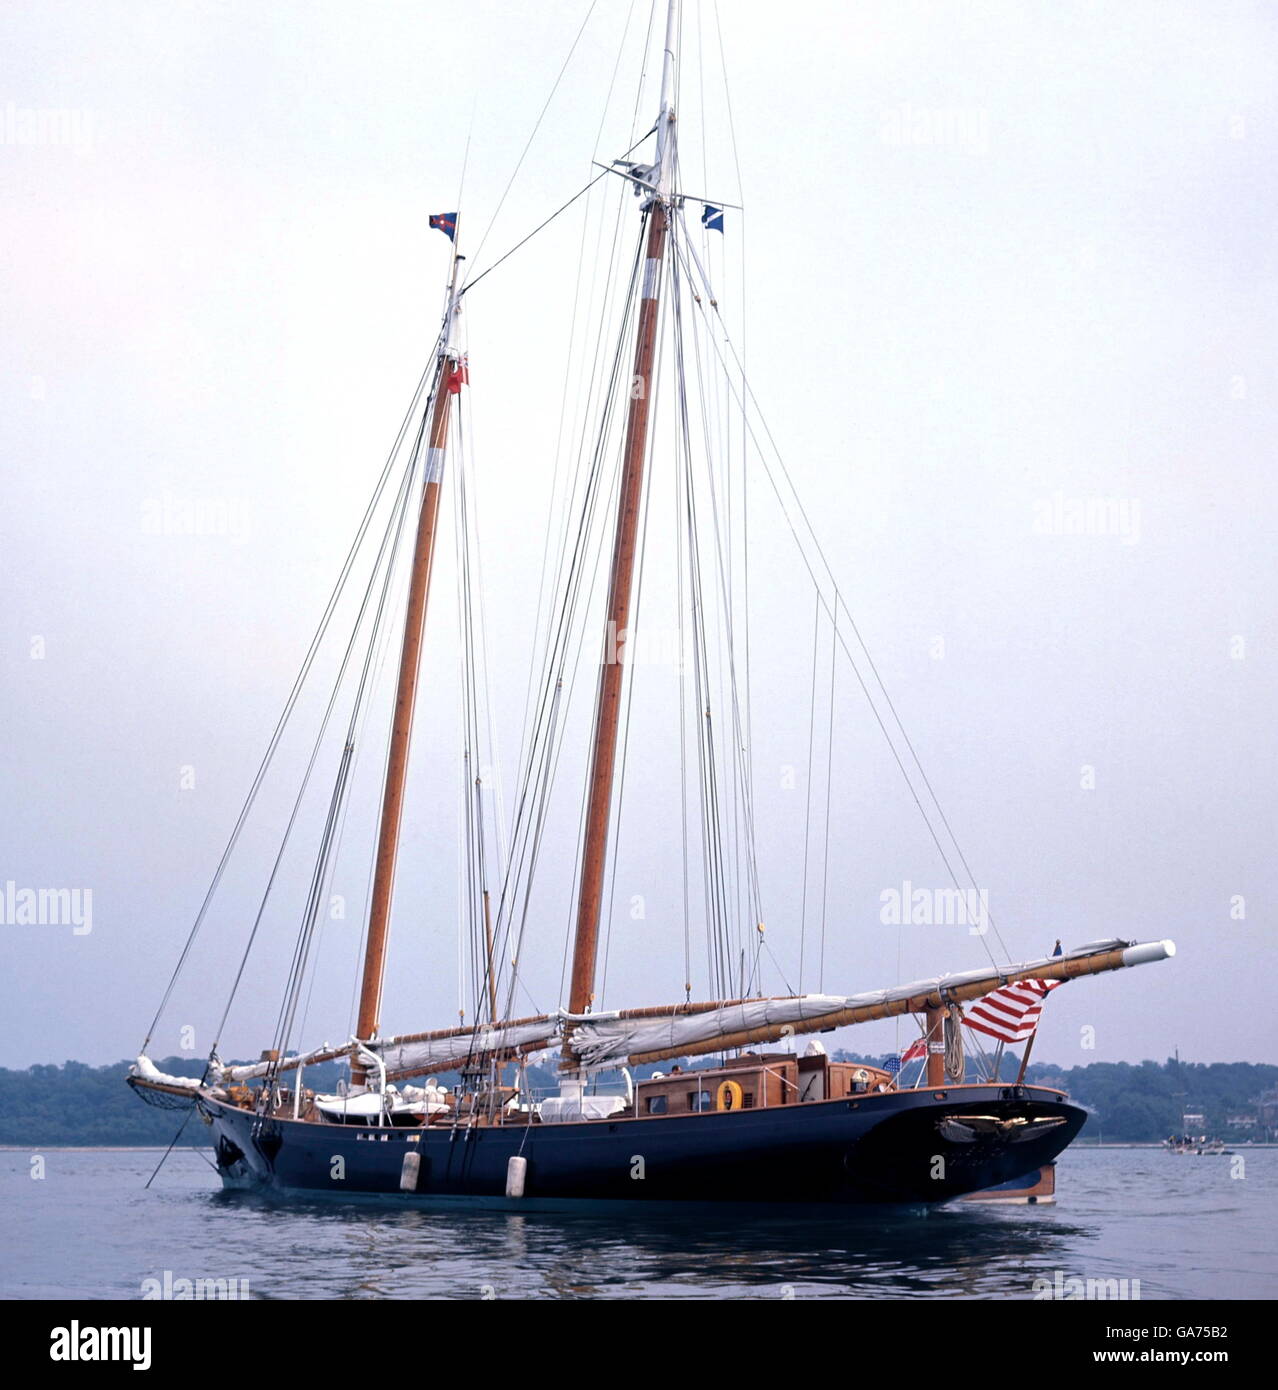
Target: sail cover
pixel 146 1070
pixel 443 1054
pixel 251 1071
pixel 614 1041
pixel 610 1042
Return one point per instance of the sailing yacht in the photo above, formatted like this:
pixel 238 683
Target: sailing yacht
pixel 746 1112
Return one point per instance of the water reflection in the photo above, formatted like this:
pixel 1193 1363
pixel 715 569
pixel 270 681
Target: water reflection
pixel 960 1250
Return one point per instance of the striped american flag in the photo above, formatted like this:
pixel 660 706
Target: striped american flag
pixel 1011 1013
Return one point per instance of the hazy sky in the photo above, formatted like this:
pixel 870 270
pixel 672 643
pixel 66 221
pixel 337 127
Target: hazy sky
pixel 1001 259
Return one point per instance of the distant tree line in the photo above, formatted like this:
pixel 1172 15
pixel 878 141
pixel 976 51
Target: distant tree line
pixel 1143 1101
pixel 77 1104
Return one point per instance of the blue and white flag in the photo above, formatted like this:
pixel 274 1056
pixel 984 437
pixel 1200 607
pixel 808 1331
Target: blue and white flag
pixel 712 218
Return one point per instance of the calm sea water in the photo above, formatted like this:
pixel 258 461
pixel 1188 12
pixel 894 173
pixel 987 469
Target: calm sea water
pixel 1183 1226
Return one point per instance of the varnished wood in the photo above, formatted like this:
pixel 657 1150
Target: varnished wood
pixel 934 1019
pixel 608 705
pixel 370 996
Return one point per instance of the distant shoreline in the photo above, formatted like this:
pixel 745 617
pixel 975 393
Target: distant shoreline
pixel 99 1148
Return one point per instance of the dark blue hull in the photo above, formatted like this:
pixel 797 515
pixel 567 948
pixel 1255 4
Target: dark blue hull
pixel 876 1148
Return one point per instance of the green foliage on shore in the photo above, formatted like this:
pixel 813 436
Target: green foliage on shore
pixel 1135 1103
pixel 79 1104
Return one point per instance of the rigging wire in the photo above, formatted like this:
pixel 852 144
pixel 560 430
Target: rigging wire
pixel 501 202
pixel 829 787
pixel 290 703
pixel 546 735
pixel 748 394
pixel 323 865
pixel 739 776
pixel 807 799
pixel 594 362
pixel 310 767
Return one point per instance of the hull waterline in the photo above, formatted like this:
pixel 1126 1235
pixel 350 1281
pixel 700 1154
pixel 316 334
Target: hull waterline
pixel 873 1149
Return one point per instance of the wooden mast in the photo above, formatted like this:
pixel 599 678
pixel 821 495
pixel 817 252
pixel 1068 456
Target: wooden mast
pixel 608 705
pixel 934 1018
pixel 370 995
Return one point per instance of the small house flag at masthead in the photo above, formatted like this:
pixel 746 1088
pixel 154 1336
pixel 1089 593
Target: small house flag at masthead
pixel 712 218
pixel 445 222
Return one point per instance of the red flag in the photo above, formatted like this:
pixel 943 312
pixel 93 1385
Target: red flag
pixel 459 376
pixel 915 1050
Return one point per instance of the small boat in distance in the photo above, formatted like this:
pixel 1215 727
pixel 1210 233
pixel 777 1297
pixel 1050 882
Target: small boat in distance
pixel 1200 1146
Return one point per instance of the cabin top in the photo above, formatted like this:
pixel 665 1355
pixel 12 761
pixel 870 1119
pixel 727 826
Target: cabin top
pixel 755 1081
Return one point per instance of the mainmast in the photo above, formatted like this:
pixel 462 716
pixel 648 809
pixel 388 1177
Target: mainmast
pixel 370 996
pixel 659 179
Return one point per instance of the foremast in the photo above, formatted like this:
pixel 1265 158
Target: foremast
pixel 435 442
pixel 658 180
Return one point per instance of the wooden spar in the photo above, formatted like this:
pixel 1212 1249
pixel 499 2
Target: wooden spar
pixel 1067 968
pixel 676 1010
pixel 370 995
pixel 934 1019
pixel 438 1033
pixel 1025 1057
pixel 608 707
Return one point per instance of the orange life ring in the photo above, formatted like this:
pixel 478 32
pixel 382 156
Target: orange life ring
pixel 728 1096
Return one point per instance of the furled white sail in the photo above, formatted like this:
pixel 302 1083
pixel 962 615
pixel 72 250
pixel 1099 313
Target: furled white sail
pixel 454 1049
pixel 251 1071
pixel 146 1070
pixel 608 1042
